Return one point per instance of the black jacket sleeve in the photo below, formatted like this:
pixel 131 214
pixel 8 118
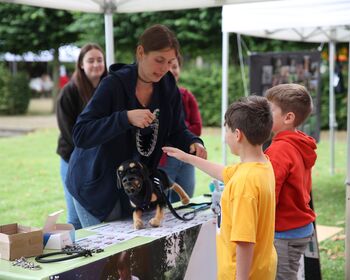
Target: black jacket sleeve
pixel 105 116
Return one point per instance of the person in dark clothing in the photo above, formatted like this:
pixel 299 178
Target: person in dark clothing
pixel 135 111
pixel 89 70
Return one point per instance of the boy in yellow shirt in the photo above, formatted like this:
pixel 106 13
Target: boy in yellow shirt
pixel 246 231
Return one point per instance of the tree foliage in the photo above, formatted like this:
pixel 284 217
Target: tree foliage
pixel 25 28
pixel 198 30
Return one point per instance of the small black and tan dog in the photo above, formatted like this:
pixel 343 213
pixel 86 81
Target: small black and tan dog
pixel 144 193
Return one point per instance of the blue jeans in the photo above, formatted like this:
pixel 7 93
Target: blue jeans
pixel 88 220
pixel 72 216
pixel 181 173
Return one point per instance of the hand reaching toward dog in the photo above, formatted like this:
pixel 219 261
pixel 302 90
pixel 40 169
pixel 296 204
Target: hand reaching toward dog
pixel 213 169
pixel 176 153
pixel 141 117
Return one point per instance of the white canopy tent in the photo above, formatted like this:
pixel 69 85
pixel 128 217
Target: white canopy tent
pixel 297 20
pixel 108 7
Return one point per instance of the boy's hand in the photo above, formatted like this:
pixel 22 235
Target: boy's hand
pixel 176 153
pixel 199 150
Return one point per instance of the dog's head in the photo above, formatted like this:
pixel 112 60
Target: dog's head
pixel 132 176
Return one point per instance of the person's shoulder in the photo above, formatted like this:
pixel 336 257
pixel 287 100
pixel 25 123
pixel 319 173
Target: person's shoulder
pixel 121 68
pixel 121 74
pixel 68 91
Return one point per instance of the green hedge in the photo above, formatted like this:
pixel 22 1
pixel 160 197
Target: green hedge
pixel 205 84
pixel 14 92
pixel 340 104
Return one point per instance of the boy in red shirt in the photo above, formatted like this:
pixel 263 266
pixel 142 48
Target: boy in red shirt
pixel 292 154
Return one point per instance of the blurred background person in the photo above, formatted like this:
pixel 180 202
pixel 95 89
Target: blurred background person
pixel 180 172
pixel 89 71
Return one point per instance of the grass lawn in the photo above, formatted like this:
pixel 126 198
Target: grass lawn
pixel 31 189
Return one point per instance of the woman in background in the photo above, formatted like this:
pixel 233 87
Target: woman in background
pixel 89 71
pixel 178 171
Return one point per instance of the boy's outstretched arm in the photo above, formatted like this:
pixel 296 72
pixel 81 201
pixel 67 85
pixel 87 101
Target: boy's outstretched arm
pixel 212 169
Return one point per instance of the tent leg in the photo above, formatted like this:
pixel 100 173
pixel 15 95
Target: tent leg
pixel 347 184
pixel 241 63
pixel 332 120
pixel 109 38
pixel 224 95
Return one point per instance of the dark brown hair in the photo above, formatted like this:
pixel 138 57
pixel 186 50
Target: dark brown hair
pixel 85 88
pixel 251 115
pixel 159 37
pixel 291 98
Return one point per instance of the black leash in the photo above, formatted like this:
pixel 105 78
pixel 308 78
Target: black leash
pixel 69 256
pixel 186 216
pixel 71 252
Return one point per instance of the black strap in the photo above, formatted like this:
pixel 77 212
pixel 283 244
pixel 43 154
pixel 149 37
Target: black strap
pixel 186 216
pixel 197 206
pixel 69 255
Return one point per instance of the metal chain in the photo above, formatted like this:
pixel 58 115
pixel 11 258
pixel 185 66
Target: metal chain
pixel 75 248
pixel 139 142
pixel 24 263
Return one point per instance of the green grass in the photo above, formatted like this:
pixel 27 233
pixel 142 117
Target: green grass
pixel 30 186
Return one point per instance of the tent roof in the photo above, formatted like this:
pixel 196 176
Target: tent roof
pixel 126 6
pixel 293 20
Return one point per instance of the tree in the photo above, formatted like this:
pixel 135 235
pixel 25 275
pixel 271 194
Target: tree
pixel 25 28
pixel 198 30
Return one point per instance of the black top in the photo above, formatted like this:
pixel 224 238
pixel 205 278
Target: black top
pixel 69 106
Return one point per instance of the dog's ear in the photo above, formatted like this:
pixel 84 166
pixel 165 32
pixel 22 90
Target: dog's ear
pixel 120 171
pixel 143 170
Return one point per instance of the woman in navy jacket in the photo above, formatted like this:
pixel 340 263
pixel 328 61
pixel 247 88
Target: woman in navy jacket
pixel 135 111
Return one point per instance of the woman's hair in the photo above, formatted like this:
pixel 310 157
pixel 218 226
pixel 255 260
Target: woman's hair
pixel 85 87
pixel 159 37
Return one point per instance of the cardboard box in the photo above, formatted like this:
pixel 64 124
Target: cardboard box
pixel 20 241
pixel 57 236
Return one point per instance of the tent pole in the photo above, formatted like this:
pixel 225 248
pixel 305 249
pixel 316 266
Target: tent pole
pixel 224 89
pixel 347 184
pixel 109 38
pixel 241 63
pixel 332 121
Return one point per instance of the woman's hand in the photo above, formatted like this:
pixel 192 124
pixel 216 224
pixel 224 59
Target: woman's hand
pixel 141 117
pixel 199 150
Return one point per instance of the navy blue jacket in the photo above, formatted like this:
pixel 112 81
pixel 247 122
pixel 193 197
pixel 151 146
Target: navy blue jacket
pixel 104 138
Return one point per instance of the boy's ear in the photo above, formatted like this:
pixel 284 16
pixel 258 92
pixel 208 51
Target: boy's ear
pixel 289 118
pixel 239 134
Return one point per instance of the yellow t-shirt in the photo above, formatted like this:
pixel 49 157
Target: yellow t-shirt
pixel 247 215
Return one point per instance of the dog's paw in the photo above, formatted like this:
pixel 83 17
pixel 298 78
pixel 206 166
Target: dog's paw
pixel 154 222
pixel 138 224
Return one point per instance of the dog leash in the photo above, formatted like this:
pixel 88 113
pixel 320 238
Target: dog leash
pixel 186 216
pixel 71 252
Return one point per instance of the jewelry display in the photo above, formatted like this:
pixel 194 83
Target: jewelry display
pixel 24 263
pixel 144 148
pixel 71 252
